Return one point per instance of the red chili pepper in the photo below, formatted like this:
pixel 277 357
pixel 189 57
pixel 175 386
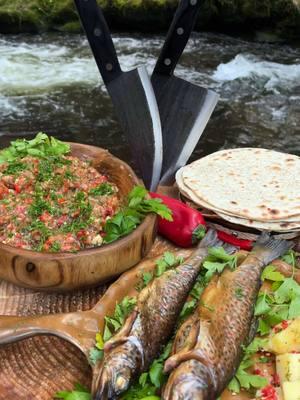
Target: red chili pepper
pixel 188 225
pixel 241 243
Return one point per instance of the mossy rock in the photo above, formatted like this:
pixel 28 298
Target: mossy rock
pixel 280 16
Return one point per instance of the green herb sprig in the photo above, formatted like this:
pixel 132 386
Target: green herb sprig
pixel 244 379
pixel 112 325
pixel 281 303
pixel 79 393
pixel 41 146
pixel 138 206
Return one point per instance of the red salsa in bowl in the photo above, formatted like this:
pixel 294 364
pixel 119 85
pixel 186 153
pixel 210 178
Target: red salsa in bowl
pixel 54 204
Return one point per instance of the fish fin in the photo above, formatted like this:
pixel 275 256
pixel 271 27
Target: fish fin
pixel 190 333
pixel 194 354
pixel 269 248
pixel 210 239
pixel 186 335
pixel 121 336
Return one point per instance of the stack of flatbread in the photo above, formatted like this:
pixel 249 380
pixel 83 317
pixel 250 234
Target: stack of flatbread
pixel 252 187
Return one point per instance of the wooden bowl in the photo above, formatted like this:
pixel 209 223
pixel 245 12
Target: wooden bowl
pixel 67 271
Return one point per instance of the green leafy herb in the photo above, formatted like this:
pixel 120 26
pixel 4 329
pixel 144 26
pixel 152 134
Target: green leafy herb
pixel 55 247
pixel 281 303
pixel 217 260
pixel 151 380
pixel 39 206
pixel 79 393
pixel 96 353
pixel 137 200
pixel 167 262
pixel 290 257
pixel 105 189
pixel 41 146
pixel 271 274
pixel 126 220
pixel 14 167
pixel 244 379
pixel 112 325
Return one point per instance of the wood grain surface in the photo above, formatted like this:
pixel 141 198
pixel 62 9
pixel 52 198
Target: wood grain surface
pixel 38 367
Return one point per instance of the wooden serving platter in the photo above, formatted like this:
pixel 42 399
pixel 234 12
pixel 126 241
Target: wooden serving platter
pixel 38 367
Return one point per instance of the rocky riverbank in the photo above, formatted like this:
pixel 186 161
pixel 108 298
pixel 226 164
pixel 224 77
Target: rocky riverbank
pixel 281 17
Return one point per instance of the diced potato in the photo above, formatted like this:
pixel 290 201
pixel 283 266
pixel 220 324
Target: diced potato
pixel 286 341
pixel 288 367
pixel 279 393
pixel 291 390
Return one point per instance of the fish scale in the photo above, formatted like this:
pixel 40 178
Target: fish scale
pixel 204 362
pixel 149 327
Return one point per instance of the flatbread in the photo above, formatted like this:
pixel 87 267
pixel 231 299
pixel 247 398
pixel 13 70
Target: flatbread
pixel 251 183
pixel 281 225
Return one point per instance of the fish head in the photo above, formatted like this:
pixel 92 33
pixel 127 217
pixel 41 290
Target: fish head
pixel 190 381
pixel 117 372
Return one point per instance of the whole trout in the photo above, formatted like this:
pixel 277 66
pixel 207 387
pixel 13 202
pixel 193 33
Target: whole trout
pixel 208 346
pixel 132 350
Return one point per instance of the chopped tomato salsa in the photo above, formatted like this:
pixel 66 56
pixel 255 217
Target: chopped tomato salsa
pixel 54 204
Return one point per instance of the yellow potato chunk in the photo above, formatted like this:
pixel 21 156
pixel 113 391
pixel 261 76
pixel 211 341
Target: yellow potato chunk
pixel 286 341
pixel 288 367
pixel 291 390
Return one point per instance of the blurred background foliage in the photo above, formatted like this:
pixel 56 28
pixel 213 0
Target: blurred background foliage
pixel 279 16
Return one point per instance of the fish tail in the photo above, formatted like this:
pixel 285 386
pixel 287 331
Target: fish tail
pixel 269 248
pixel 210 239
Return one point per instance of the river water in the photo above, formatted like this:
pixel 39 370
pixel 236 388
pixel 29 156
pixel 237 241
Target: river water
pixel 50 83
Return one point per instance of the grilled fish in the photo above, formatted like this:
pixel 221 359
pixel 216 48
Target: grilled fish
pixel 148 328
pixel 207 348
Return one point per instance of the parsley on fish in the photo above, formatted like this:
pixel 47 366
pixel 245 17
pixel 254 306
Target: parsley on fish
pixel 112 325
pixel 151 380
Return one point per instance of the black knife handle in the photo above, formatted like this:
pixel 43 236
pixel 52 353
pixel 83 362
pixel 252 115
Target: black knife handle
pixel 177 36
pixel 99 38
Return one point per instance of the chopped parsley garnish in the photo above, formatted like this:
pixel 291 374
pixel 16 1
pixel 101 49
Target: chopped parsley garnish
pixel 105 189
pixel 14 167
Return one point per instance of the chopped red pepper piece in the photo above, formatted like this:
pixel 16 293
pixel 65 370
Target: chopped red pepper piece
pixel 188 225
pixel 17 188
pixel 269 393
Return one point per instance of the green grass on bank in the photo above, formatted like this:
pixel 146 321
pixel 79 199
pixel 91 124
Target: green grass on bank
pixel 280 16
